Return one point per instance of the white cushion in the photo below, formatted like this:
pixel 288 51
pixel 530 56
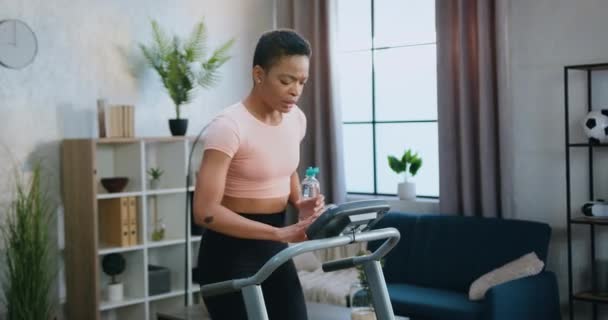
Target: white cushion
pixel 527 265
pixel 307 262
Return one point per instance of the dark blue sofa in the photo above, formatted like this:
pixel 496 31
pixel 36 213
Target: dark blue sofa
pixel 429 272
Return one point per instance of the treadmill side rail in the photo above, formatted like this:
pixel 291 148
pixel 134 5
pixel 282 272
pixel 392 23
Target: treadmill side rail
pixel 391 235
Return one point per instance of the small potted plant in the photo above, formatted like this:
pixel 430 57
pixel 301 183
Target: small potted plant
pixel 182 66
pixel 409 164
pixel 158 233
pixel 360 295
pixel 360 298
pixel 114 264
pixel 155 174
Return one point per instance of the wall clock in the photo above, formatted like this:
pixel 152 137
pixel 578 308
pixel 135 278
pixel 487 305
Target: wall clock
pixel 18 44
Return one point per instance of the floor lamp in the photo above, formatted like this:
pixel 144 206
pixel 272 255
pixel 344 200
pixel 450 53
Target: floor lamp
pixel 188 211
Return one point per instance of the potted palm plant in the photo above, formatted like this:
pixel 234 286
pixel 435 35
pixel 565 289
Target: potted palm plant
pixel 408 164
pixel 29 266
pixel 183 66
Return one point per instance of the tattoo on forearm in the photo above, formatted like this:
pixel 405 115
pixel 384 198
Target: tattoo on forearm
pixel 208 220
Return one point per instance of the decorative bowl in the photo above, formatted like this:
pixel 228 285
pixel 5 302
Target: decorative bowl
pixel 114 184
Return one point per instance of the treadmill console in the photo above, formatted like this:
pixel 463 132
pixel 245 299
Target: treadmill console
pixel 349 217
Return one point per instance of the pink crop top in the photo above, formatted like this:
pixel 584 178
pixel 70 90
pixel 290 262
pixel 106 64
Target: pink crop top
pixel 263 156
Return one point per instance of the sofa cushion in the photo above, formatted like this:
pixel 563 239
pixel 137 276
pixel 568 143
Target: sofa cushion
pixel 429 303
pixel 528 265
pixel 450 252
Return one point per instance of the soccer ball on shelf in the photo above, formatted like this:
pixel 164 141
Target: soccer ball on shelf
pixel 595 125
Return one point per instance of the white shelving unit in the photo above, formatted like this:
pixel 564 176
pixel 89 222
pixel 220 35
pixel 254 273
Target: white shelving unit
pixel 84 163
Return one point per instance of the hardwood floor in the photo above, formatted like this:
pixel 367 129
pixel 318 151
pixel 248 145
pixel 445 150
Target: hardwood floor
pixel 317 311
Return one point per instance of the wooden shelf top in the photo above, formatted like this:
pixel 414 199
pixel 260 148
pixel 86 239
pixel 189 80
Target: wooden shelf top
pixel 131 140
pixel 144 139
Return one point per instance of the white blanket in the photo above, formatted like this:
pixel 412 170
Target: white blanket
pixel 328 288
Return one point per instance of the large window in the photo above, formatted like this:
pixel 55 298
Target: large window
pixel 388 91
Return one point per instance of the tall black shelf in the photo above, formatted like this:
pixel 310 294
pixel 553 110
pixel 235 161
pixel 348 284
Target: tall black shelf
pixel 591 295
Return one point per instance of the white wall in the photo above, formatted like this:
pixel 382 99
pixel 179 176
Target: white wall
pixel 543 36
pixel 88 50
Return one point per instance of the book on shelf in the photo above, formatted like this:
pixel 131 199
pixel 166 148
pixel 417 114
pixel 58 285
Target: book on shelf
pixel 115 121
pixel 118 221
pixel 132 221
pixel 101 118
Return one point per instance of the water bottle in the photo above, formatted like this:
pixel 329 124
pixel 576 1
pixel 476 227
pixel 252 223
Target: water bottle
pixel 310 191
pixel 310 184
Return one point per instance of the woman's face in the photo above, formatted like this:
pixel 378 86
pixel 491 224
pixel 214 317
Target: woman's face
pixel 282 85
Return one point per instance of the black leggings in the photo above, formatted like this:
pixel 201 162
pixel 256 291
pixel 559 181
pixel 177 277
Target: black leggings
pixel 223 257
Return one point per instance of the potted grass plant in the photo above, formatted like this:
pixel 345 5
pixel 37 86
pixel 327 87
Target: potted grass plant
pixel 183 66
pixel 30 267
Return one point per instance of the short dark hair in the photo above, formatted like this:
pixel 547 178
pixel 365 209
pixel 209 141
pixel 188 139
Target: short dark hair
pixel 279 43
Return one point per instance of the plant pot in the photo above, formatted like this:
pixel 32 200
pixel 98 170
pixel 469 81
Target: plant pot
pixel 158 233
pixel 115 292
pixel 154 184
pixel 406 190
pixel 360 301
pixel 178 127
pixel 365 313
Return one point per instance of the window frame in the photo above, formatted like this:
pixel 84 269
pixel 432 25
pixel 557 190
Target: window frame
pixel 375 122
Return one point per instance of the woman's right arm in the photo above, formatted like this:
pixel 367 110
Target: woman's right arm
pixel 211 214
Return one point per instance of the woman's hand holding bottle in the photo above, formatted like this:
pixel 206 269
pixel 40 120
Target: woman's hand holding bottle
pixel 312 202
pixel 311 207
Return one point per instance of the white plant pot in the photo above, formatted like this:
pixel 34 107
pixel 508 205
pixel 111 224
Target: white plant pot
pixel 362 314
pixel 115 292
pixel 406 190
pixel 111 314
pixel 154 184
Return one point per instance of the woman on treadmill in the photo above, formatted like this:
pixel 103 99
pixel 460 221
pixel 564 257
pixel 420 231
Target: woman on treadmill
pixel 248 176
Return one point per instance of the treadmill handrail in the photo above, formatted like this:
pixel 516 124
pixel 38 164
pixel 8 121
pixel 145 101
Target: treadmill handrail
pixel 391 235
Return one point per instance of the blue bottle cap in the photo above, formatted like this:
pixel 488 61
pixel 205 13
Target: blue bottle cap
pixel 312 171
